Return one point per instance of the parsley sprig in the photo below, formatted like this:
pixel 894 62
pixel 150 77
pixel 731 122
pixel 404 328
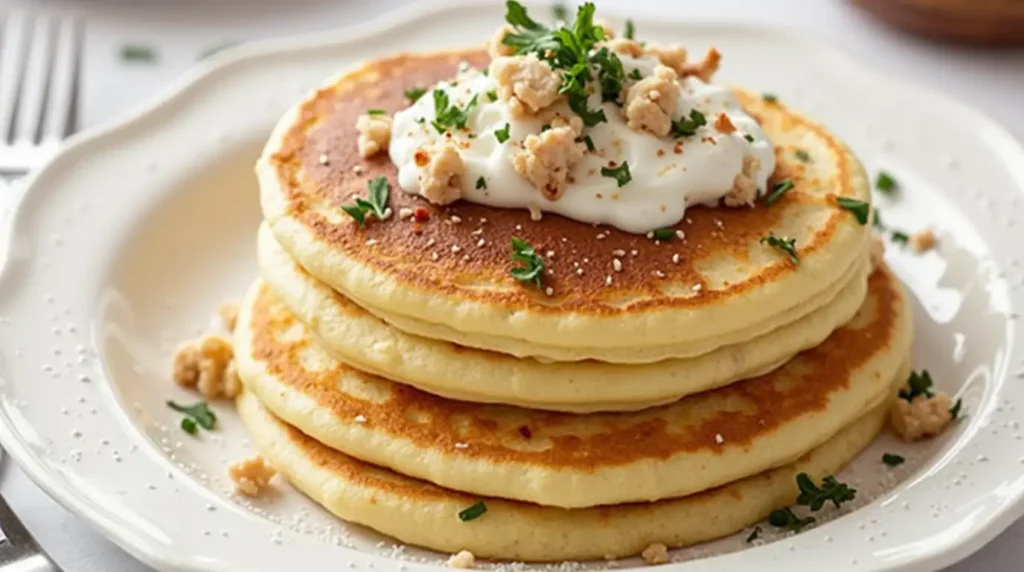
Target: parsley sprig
pixel 917 384
pixel 860 209
pixel 199 413
pixel 787 245
pixel 688 126
pixel 814 498
pixel 620 174
pixel 378 204
pixel 568 50
pixel 779 189
pixel 531 267
pixel 448 115
pixel 413 94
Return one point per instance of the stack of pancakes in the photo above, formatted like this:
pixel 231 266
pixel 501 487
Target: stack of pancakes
pixel 401 377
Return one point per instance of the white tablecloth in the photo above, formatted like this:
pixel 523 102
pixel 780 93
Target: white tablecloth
pixel 180 29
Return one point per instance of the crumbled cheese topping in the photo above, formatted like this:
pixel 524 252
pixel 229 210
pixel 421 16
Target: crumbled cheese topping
pixel 546 159
pixel 251 476
pixel 525 83
pixel 374 134
pixel 207 364
pixel 656 553
pixel 925 416
pixel 464 560
pixel 651 102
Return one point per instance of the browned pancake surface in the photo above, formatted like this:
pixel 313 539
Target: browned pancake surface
pixel 404 250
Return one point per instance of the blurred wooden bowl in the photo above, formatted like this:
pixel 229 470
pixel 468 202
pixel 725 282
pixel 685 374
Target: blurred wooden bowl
pixel 982 22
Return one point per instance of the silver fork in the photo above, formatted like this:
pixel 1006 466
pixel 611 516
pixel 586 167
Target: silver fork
pixel 39 63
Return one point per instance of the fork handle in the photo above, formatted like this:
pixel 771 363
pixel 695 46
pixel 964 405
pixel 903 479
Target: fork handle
pixel 19 552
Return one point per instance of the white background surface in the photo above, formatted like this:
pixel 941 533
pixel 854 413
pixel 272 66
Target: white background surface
pixel 180 30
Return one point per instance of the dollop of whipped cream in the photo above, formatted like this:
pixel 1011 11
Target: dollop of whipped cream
pixel 666 174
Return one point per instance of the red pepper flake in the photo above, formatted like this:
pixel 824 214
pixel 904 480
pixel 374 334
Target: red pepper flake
pixel 724 125
pixel 421 214
pixel 421 158
pixel 525 431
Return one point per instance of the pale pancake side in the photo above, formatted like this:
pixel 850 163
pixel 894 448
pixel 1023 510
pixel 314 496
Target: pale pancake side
pixel 390 266
pixel 423 514
pixel 365 342
pixel 569 460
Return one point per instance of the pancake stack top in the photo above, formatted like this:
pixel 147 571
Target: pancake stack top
pixel 436 354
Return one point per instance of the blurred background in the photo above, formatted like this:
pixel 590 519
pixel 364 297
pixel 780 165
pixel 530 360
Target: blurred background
pixel 972 50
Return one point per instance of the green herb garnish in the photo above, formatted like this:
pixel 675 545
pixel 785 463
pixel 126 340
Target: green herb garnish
pixel 481 183
pixel 899 237
pixel 754 534
pixel 448 115
pixel 189 426
pixel 635 74
pixel 473 512
pixel 785 518
pixel 663 233
pixel 138 53
pixel 688 126
pixel 769 97
pixel 413 94
pixel 630 30
pixel 886 183
pixel 568 50
pixel 787 245
pixel 954 411
pixel 860 209
pixel 502 134
pixel 892 460
pixel 379 189
pixel 200 413
pixel 802 155
pixel 620 173
pixel 917 384
pixel 610 74
pixel 589 143
pixel 545 127
pixel 748 137
pixel 532 269
pixel 492 95
pixel 376 111
pixel 814 497
pixel 778 189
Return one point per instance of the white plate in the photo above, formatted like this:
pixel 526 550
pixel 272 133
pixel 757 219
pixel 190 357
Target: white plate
pixel 130 238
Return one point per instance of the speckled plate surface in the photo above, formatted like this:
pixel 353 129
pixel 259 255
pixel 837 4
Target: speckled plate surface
pixel 130 238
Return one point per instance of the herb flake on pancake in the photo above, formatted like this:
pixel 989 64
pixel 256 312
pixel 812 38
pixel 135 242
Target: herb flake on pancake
pixel 860 209
pixel 779 189
pixel 377 204
pixel 532 264
pixel 473 512
pixel 620 174
pixel 413 94
pixel 786 245
pixel 688 126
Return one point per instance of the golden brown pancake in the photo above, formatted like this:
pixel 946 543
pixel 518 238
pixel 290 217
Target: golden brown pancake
pixel 570 460
pixel 419 513
pixel 724 280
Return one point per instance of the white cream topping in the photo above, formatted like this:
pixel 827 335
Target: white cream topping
pixel 667 174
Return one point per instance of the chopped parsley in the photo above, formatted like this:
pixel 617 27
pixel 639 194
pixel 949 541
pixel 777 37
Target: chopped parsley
pixel 786 518
pixel 876 220
pixel 568 50
pixel 814 497
pixel 663 233
pixel 787 245
pixel 189 426
pixel 630 31
pixel 620 173
pixel 778 189
pixel 378 194
pixel 748 137
pixel 802 155
pixel 545 127
pixel 899 237
pixel 448 115
pixel 892 460
pixel 502 134
pixel 860 209
pixel 917 384
pixel 610 74
pixel 413 94
pixel 199 413
pixel 954 411
pixel 376 111
pixel 481 183
pixel 138 53
pixel 532 264
pixel 492 95
pixel 635 74
pixel 886 184
pixel 473 512
pixel 688 126
pixel 754 534
pixel 770 97
pixel 589 143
